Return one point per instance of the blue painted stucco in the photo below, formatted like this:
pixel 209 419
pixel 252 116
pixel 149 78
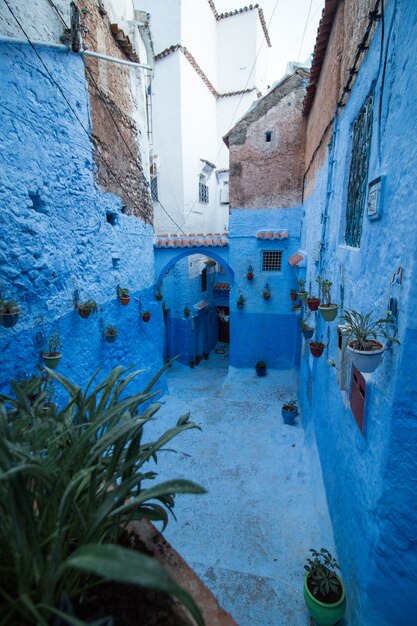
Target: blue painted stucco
pixel 264 330
pixel 56 241
pixel 371 477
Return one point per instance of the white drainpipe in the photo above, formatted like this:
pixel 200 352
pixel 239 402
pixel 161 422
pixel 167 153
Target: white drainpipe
pixel 60 46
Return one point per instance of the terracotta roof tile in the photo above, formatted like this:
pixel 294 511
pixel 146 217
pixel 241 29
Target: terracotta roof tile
pixel 295 259
pixel 191 240
pixel 222 286
pixel 124 43
pixel 272 234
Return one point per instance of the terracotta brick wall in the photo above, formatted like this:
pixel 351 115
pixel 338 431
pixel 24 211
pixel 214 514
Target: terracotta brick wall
pixel 112 99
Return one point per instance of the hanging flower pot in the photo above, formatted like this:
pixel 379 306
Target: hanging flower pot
pixel 110 334
pixel 297 309
pixel 87 308
pixel 146 316
pixel 293 294
pixel 159 296
pixel 313 303
pixel 328 311
pixel 249 273
pixel 308 332
pixel 302 293
pixel 124 296
pixel 52 356
pixel 187 311
pixel 316 348
pixel 266 294
pixel 240 302
pixel 9 313
pixel 366 361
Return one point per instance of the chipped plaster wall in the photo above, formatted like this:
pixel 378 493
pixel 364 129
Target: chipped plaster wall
pixel 349 25
pixel 370 477
pixel 117 95
pixel 269 174
pixel 56 241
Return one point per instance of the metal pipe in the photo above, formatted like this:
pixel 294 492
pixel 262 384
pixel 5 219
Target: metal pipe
pixel 97 55
pixel 46 44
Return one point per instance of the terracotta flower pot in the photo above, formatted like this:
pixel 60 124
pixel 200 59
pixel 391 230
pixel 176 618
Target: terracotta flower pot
pixel 124 300
pixel 266 295
pixel 293 296
pixel 249 275
pixel 313 303
pixel 316 348
pixel 84 313
pixel 146 317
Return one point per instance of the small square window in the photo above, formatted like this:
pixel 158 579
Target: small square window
pixel 272 261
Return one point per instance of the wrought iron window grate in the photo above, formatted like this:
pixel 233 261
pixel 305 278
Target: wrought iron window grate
pixel 272 261
pixel 358 175
pixel 203 193
pixel 154 188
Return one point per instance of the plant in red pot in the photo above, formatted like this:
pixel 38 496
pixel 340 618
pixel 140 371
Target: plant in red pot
pixel 85 309
pixel 317 348
pixel 249 273
pixel 124 296
pixel 52 356
pixel 266 292
pixel 146 316
pixel 328 310
pixel 324 592
pixel 9 313
pixel 313 302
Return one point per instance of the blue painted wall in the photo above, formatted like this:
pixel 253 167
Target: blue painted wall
pixel 371 477
pixel 55 236
pixel 264 330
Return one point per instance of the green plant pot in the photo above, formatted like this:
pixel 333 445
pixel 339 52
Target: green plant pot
pixel 302 295
pixel 325 614
pixel 51 361
pixel 328 313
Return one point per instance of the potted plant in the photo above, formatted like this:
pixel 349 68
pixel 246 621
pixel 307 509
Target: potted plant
pixel 297 309
pixel 289 412
pixel 159 296
pixel 362 343
pixel 312 302
pixel 192 362
pixel 48 392
pixel 302 293
pixel 146 316
pixel 327 309
pixel 316 348
pixel 210 263
pixel 187 311
pixel 124 296
pixel 110 334
pixel 249 273
pixel 293 294
pixel 9 313
pixel 260 368
pixel 52 356
pixel 240 302
pixel 205 355
pixel 86 308
pixel 324 592
pixel 266 292
pixel 308 331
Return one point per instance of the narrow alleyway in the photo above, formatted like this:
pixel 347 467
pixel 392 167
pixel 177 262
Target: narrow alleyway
pixel 265 507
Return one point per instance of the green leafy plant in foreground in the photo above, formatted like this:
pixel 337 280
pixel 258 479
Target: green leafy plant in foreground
pixel 322 572
pixel 361 329
pixel 70 483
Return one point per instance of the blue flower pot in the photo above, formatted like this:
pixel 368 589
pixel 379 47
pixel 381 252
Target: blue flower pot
pixel 289 416
pixel 261 371
pixel 308 333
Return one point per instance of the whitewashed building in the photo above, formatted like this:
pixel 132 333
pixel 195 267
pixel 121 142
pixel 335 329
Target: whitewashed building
pixel 209 67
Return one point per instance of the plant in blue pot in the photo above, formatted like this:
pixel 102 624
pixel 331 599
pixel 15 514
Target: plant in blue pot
pixel 260 368
pixel 324 592
pixel 289 412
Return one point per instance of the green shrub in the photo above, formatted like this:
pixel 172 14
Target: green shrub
pixel 70 482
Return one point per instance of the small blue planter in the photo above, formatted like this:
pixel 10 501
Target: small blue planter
pixel 261 371
pixel 289 416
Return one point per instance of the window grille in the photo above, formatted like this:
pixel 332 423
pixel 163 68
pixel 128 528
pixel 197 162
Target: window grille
pixel 154 188
pixel 358 175
pixel 272 261
pixel 203 193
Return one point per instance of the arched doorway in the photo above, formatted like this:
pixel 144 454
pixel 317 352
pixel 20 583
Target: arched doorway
pixel 195 287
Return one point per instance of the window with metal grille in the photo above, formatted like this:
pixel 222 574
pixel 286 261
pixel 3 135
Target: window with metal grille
pixel 358 175
pixel 271 260
pixel 154 188
pixel 204 280
pixel 203 193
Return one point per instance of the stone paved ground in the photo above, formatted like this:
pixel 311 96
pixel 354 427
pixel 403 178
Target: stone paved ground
pixel 265 507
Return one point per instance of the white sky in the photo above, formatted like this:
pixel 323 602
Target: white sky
pixel 286 29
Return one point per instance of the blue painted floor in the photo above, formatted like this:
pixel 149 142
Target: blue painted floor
pixel 248 536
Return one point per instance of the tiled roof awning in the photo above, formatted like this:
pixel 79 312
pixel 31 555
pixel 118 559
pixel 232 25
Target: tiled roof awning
pixel 297 259
pixel 199 306
pixel 191 240
pixel 272 234
pixel 222 286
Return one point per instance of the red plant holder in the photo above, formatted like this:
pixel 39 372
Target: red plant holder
pixel 249 275
pixel 146 318
pixel 84 312
pixel 313 305
pixel 316 351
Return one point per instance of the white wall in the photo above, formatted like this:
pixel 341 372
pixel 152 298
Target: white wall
pixel 165 21
pixel 198 35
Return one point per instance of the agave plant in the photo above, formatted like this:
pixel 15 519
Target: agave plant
pixel 70 483
pixel 362 330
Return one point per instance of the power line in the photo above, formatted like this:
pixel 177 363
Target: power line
pixel 141 211
pixel 304 31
